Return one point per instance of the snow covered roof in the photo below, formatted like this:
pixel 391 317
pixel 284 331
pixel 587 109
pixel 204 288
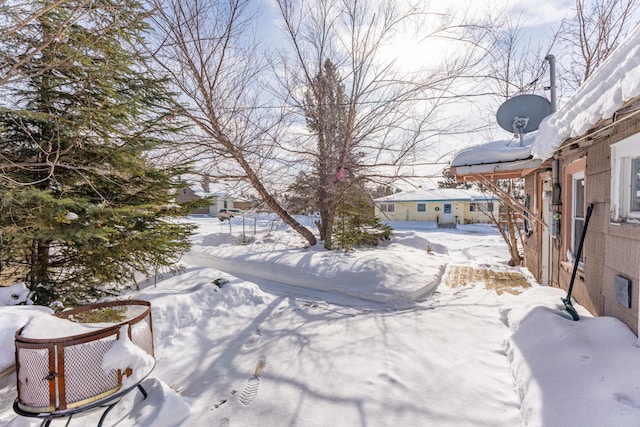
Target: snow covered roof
pixel 504 158
pixel 435 194
pixel 494 152
pixel 200 192
pixel 614 82
pixel 196 183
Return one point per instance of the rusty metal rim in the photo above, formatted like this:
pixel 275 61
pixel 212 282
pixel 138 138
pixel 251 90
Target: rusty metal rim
pixel 89 336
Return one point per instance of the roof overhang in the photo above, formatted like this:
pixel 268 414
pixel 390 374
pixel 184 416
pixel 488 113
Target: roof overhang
pixel 501 170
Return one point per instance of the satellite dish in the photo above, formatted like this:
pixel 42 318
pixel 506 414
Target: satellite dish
pixel 523 113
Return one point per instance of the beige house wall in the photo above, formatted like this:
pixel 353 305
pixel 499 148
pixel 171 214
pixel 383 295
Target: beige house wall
pixel 408 211
pixel 611 248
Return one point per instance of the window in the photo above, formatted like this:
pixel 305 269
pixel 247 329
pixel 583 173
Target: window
pixel 421 207
pixel 387 207
pixel 446 208
pixel 635 186
pixel 577 214
pixel 481 207
pixel 625 179
pixel 573 211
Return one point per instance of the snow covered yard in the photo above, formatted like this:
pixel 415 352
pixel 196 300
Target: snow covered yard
pixel 306 337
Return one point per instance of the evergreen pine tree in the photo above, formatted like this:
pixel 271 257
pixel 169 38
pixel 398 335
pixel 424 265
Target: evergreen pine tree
pixel 356 224
pixel 81 210
pixel 450 181
pixel 335 164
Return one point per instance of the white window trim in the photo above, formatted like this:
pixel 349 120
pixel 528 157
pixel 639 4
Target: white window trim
pixel 621 155
pixel 574 179
pixel 425 208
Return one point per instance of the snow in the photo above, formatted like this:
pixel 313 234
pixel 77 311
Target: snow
pixel 13 318
pixel 494 152
pixel 40 327
pixel 124 355
pixel 589 376
pixel 614 82
pixel 15 294
pixel 391 346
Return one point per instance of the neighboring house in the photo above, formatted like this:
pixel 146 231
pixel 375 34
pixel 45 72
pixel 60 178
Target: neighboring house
pixel 588 152
pixel 441 205
pixel 194 191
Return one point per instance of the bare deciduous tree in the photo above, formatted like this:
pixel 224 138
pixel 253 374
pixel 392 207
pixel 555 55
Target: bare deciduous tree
pixel 515 64
pixel 593 33
pixel 392 116
pixel 514 67
pixel 207 49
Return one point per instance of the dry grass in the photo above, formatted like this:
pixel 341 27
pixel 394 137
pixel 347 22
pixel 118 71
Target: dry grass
pixel 499 281
pixel 100 315
pixel 262 362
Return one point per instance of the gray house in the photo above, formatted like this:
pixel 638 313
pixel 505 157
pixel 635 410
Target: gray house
pixel 194 190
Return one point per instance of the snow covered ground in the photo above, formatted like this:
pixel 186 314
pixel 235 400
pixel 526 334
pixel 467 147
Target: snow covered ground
pixel 306 337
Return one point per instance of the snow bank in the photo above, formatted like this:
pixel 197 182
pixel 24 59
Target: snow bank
pixel 566 372
pixel 370 274
pixel 163 407
pixel 613 83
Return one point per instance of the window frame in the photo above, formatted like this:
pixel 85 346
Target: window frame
pixel 423 204
pixel 623 154
pixel 572 172
pixel 388 207
pixel 577 216
pixel 486 206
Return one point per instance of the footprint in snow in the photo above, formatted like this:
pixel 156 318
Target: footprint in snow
pixel 250 390
pixel 253 339
pixel 626 400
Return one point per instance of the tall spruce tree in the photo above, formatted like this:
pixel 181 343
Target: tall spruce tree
pixel 81 210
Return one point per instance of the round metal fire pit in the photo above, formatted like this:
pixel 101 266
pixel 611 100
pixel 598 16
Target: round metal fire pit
pixel 64 375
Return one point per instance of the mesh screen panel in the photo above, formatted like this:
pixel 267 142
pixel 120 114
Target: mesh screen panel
pixel 84 376
pixel 141 335
pixel 33 386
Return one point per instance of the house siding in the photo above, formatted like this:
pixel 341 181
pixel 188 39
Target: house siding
pixel 610 249
pixel 533 242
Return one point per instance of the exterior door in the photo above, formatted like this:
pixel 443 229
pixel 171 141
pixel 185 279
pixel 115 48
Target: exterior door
pixel 447 212
pixel 545 262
